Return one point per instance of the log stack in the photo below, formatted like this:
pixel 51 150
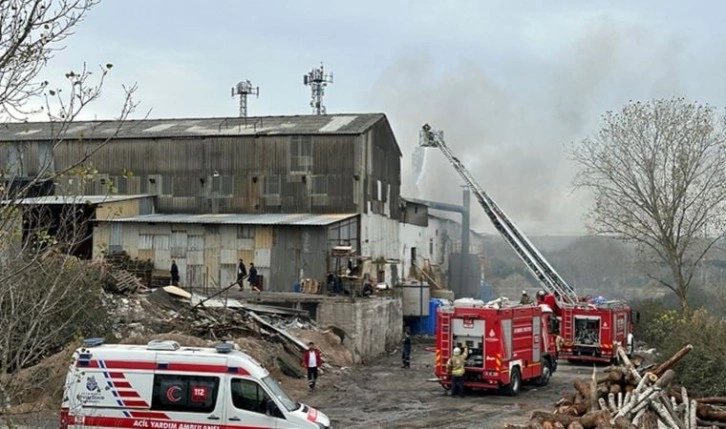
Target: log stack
pixel 631 396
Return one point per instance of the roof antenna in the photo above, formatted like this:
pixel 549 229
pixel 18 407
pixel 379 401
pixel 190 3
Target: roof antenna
pixel 317 80
pixel 243 89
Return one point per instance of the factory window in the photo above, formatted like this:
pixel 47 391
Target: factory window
pixel 320 185
pixel 245 231
pixel 301 153
pixel 223 185
pixel 272 185
pixel 431 247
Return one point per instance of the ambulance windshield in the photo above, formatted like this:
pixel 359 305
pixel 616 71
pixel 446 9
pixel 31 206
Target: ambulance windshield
pixel 280 394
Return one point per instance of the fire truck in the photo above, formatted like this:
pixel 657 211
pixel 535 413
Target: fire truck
pixel 508 344
pixel 589 328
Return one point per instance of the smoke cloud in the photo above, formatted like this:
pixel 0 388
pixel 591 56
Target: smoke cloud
pixel 513 128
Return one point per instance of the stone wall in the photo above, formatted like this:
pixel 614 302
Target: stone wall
pixel 373 326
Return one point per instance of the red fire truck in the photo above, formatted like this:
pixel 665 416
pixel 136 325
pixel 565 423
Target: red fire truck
pixel 589 329
pixel 509 344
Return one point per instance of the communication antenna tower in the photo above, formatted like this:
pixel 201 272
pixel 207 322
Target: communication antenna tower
pixel 317 80
pixel 243 89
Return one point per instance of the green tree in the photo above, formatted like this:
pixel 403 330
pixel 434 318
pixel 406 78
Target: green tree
pixel 657 171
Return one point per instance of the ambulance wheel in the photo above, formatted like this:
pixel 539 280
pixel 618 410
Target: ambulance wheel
pixel 515 382
pixel 544 378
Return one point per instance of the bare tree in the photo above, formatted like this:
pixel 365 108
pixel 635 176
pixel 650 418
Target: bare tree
pixel 47 296
pixel 658 173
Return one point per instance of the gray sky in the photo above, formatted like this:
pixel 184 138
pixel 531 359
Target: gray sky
pixel 512 84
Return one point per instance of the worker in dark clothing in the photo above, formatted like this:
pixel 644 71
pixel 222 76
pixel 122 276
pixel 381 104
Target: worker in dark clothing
pixel 174 273
pixel 406 351
pixel 252 277
pixel 241 273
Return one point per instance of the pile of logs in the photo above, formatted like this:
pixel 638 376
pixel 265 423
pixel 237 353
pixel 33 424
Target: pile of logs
pixel 631 396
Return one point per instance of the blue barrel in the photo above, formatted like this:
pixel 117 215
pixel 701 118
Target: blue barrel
pixel 434 304
pixel 486 292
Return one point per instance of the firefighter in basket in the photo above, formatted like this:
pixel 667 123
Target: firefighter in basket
pixel 456 368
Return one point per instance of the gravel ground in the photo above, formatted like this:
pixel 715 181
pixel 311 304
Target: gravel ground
pixel 383 395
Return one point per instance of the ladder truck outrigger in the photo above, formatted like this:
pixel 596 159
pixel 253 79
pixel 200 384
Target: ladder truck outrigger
pixel 588 330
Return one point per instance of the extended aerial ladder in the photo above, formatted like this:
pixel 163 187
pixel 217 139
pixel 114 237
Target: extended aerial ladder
pixel 533 259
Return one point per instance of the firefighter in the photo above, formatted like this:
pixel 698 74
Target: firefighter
pixel 406 351
pixel 525 299
pixel 456 368
pixel 630 344
pixel 540 297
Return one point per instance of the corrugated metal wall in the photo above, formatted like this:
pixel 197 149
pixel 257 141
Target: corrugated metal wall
pixel 298 252
pixel 207 255
pixel 227 174
pixel 241 163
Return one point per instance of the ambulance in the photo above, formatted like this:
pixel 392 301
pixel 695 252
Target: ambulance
pixel 166 386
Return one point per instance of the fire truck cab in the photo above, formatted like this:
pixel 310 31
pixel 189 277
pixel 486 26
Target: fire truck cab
pixel 164 385
pixel 509 344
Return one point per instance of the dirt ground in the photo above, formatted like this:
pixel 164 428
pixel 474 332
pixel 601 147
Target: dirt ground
pixel 383 395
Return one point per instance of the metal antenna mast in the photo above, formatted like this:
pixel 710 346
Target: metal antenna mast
pixel 317 80
pixel 243 89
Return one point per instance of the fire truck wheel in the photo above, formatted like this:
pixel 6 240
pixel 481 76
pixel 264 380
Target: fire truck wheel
pixel 515 382
pixel 544 378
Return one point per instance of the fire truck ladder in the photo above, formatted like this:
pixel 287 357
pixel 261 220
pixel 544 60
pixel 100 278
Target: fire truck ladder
pixel 533 259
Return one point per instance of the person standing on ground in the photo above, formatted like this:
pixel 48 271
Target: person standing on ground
pixel 241 274
pixel 456 367
pixel 174 273
pixel 406 351
pixel 252 277
pixel 311 361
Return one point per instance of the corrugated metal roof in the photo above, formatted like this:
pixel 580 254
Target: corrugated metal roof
pixel 354 123
pixel 300 219
pixel 76 199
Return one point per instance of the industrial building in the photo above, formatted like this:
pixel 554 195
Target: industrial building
pixel 277 191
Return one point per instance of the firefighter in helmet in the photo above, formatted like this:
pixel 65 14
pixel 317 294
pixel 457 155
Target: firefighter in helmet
pixel 456 367
pixel 525 299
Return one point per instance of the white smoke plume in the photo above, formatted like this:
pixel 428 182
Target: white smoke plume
pixel 513 129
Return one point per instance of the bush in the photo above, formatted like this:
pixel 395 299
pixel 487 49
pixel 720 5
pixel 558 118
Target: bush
pixel 49 302
pixel 703 370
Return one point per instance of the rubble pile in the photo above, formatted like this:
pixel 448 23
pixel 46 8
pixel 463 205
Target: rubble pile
pixel 275 336
pixel 631 396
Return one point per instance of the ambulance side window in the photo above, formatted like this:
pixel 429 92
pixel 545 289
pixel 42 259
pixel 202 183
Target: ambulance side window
pixel 188 393
pixel 248 395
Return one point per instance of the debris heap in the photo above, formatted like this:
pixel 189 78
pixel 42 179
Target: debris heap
pixel 631 396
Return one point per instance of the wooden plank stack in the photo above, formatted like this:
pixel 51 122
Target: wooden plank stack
pixel 630 396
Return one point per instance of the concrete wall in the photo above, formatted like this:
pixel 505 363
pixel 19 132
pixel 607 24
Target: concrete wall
pixel 373 326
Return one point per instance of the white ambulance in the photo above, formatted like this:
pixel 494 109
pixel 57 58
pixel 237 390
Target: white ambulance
pixel 163 385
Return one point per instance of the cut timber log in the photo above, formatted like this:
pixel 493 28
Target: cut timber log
pixel 662 368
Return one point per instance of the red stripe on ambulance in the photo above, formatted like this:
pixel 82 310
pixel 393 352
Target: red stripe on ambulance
pixel 121 422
